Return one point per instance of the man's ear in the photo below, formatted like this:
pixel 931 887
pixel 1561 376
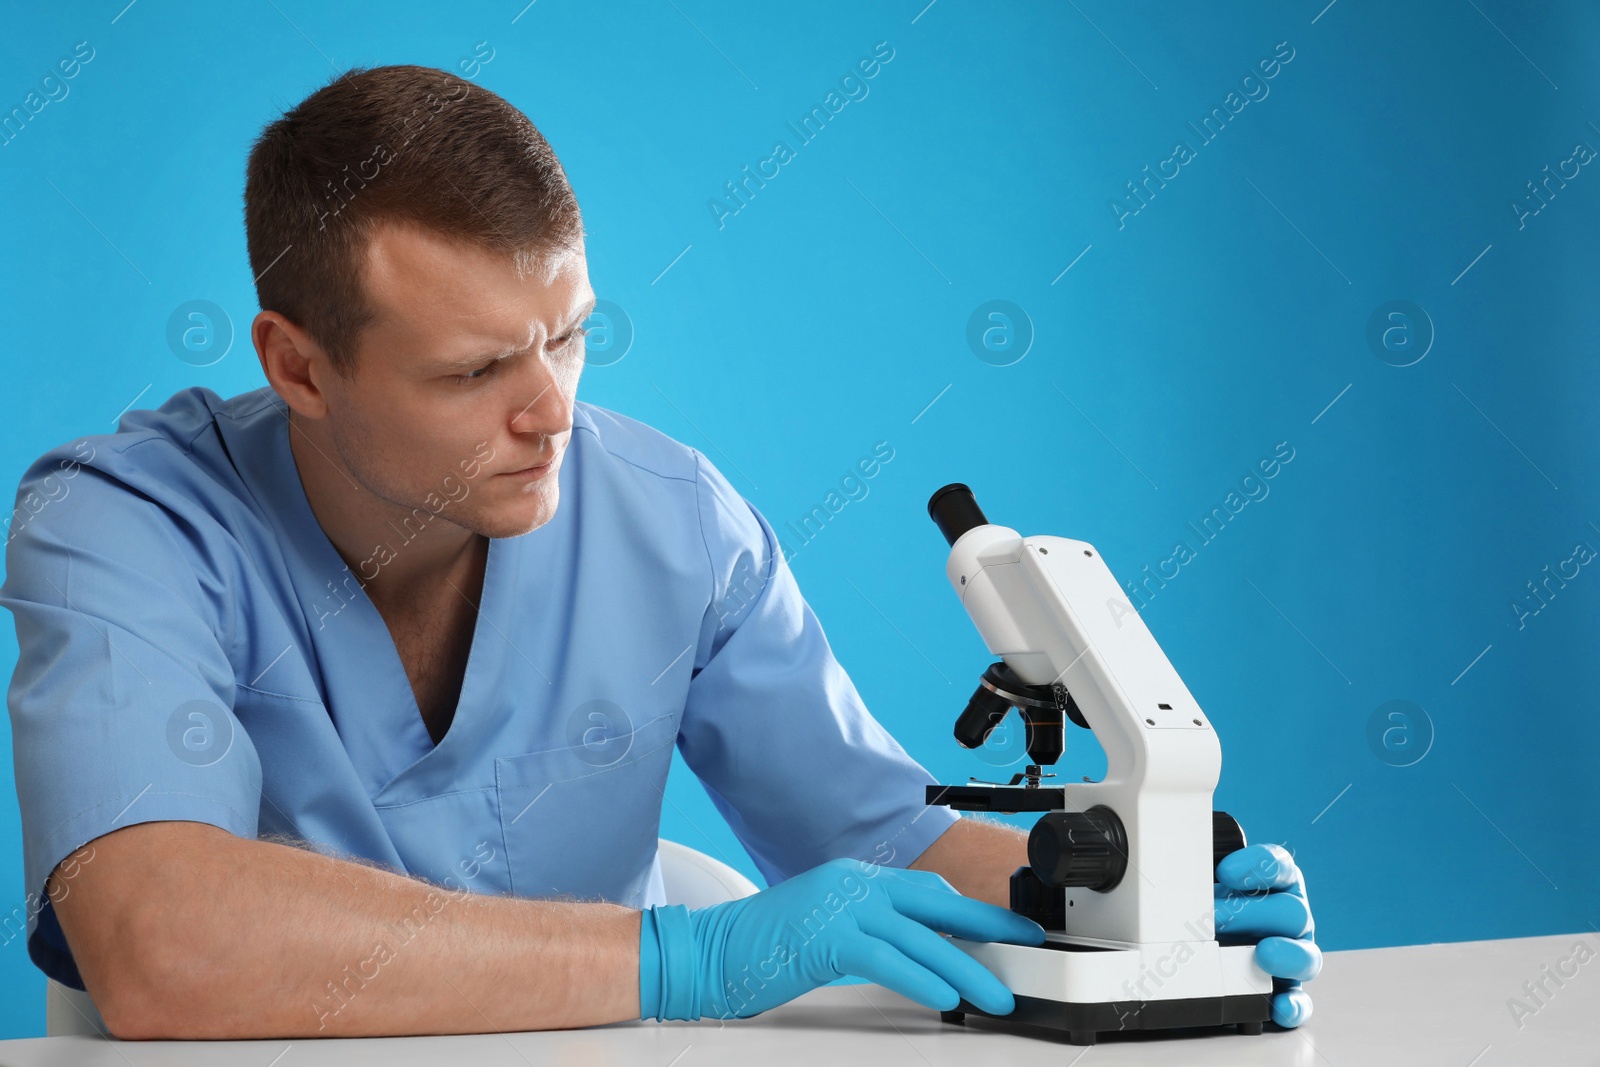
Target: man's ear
pixel 294 363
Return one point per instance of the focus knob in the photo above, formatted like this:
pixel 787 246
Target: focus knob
pixel 1227 837
pixel 1079 849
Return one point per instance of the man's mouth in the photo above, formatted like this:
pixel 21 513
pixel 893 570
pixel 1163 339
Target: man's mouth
pixel 533 471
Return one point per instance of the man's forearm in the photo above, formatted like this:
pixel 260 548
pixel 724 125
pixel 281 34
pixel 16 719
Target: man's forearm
pixel 244 939
pixel 977 857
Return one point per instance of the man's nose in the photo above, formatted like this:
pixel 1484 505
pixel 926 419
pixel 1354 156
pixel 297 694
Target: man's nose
pixel 545 408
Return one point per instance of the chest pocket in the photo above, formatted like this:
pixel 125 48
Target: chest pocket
pixel 581 823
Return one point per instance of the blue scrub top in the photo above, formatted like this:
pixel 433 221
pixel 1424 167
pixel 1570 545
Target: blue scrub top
pixel 193 647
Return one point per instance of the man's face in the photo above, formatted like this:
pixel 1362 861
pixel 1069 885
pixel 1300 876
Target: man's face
pixel 466 374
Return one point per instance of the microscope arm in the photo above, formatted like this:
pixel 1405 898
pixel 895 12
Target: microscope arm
pixel 1050 608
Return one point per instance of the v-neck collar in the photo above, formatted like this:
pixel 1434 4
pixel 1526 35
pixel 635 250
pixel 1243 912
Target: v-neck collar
pixel 364 683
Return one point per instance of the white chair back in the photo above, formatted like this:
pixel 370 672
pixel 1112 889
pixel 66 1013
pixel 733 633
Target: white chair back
pixel 696 880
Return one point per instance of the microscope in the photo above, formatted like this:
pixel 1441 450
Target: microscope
pixel 1120 871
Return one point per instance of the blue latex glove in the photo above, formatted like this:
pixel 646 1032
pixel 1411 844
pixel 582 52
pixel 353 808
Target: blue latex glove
pixel 1261 898
pixel 843 917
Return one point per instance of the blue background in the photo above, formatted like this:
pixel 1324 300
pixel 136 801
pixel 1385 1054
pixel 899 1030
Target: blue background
pixel 832 312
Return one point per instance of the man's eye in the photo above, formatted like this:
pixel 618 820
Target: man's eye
pixel 473 376
pixel 577 334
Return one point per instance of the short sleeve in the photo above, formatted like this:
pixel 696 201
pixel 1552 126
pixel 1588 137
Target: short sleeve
pixel 774 728
pixel 121 701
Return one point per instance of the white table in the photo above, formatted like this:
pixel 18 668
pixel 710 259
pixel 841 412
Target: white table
pixel 1416 1006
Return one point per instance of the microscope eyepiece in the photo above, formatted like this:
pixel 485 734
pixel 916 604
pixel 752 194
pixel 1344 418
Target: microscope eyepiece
pixel 955 511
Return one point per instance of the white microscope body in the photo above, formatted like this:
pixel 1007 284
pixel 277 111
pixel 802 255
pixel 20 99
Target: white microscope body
pixel 1121 870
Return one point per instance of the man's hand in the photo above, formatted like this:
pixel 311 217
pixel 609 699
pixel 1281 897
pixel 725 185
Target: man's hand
pixel 742 957
pixel 1261 898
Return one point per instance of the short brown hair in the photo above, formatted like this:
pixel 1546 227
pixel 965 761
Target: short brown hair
pixel 392 144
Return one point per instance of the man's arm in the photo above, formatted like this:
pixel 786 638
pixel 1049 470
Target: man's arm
pixel 977 857
pixel 183 930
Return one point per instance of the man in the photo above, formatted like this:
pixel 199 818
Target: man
pixel 416 607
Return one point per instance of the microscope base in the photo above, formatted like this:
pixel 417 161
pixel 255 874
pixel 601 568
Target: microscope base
pixel 1083 1023
pixel 1087 989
